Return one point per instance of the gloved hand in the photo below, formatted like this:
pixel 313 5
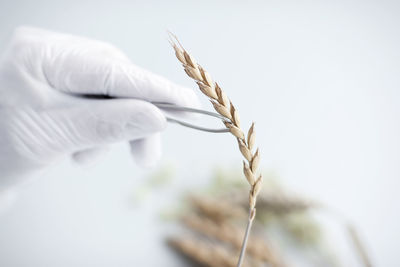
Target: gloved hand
pixel 44 117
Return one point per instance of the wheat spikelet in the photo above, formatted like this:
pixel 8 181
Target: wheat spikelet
pixel 257 248
pixel 225 108
pixel 208 254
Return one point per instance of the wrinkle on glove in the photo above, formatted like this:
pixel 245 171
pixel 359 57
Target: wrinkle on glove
pixel 43 136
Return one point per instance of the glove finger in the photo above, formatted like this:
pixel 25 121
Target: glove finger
pixel 47 134
pixel 147 151
pixel 78 65
pixel 110 121
pixel 7 199
pixel 88 156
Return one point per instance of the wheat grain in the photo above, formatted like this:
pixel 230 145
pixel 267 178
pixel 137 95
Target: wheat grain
pixel 224 107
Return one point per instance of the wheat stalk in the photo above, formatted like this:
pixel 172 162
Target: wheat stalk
pixel 359 245
pixel 226 109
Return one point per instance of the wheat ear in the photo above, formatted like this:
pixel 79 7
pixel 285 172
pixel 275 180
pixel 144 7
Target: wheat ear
pixel 225 108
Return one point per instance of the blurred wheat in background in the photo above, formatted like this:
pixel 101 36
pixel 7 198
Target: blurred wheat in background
pixel 286 231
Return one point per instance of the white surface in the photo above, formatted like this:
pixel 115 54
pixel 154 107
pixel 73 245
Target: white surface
pixel 320 79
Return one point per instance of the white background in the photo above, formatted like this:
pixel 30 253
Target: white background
pixel 320 78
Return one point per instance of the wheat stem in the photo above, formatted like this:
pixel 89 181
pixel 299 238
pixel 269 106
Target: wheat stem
pixel 245 239
pixel 359 246
pixel 225 108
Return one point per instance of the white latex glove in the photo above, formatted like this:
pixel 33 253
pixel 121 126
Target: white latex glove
pixel 42 118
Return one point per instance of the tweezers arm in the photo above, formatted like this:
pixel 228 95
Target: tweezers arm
pixel 169 106
pixel 192 110
pixel 222 130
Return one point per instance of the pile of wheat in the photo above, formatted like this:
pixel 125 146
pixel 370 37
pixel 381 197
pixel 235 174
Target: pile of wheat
pixel 215 239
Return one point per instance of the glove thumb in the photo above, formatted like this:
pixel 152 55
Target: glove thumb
pixel 147 151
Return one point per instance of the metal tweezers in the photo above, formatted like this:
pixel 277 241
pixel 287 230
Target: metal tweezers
pixel 172 107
